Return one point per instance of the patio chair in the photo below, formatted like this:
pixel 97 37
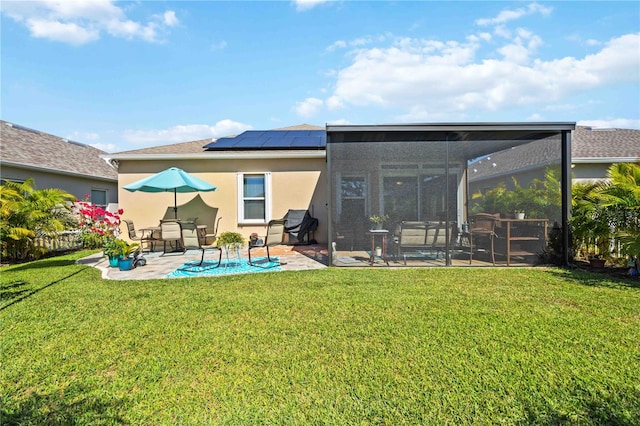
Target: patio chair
pixel 275 234
pixel 191 241
pixel 483 227
pixel 133 236
pixel 413 237
pixel 171 231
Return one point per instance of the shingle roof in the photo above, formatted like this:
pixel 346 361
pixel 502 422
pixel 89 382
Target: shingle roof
pixel 177 148
pixel 587 145
pixel 195 147
pixel 22 146
pixel 605 143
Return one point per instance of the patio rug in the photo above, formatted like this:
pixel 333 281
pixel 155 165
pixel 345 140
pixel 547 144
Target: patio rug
pixel 227 267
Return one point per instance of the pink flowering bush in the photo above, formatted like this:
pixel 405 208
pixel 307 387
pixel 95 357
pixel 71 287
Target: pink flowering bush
pixel 97 225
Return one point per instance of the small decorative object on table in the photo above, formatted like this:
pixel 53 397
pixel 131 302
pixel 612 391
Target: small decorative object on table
pixel 253 239
pixel 378 220
pixel 231 242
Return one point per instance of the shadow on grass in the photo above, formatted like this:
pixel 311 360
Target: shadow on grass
pixel 20 295
pixel 40 264
pixel 592 411
pixel 70 406
pixel 593 279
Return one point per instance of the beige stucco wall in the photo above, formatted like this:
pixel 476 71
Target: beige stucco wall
pixel 73 184
pixel 295 184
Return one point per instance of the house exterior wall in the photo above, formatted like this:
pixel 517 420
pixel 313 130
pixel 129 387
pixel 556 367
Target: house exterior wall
pixel 589 172
pixel 74 184
pixel 295 184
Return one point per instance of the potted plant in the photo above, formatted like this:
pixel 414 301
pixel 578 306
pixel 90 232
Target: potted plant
pixel 113 250
pixel 125 263
pixel 230 241
pixel 378 220
pixel 378 251
pixel 519 214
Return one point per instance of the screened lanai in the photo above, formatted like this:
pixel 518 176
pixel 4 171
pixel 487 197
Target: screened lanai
pixel 448 194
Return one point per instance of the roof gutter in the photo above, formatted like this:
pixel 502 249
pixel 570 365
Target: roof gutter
pixel 453 127
pixel 223 155
pixel 605 159
pixel 57 172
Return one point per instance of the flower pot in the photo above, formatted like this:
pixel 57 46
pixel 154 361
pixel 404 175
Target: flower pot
pixel 125 264
pixel 113 261
pixel 520 216
pixel 597 263
pixel 378 252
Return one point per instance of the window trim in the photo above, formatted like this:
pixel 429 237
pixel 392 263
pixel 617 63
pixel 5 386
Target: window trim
pixel 241 199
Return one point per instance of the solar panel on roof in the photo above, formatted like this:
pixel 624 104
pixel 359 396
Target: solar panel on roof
pixel 272 139
pixel 306 141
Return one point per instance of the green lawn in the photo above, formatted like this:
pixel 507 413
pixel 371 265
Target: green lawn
pixel 334 346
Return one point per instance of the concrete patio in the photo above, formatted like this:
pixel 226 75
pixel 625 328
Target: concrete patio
pixel 292 258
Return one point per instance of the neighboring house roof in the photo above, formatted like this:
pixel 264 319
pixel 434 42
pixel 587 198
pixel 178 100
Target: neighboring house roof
pixel 605 145
pixel 29 148
pixel 587 146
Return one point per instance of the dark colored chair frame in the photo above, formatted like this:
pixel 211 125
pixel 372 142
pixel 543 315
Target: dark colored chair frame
pixel 274 237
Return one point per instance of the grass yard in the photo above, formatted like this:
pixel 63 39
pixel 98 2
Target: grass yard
pixel 334 346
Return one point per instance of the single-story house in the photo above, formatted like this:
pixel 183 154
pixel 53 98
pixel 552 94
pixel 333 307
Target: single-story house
pixel 594 150
pixel 259 175
pixel 405 173
pixel 55 162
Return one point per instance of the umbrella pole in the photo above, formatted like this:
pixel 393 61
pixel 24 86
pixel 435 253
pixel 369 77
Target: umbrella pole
pixel 175 204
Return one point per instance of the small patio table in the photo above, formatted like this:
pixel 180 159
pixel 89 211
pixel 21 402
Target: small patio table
pixel 382 233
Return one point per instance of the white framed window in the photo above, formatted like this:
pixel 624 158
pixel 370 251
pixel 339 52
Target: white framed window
pixel 254 197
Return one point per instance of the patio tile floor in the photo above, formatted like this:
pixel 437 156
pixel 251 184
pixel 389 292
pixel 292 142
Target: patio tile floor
pixel 292 258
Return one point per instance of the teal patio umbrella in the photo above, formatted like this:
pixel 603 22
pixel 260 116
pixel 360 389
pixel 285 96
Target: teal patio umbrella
pixel 171 180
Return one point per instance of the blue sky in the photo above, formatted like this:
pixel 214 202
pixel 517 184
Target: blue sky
pixel 126 75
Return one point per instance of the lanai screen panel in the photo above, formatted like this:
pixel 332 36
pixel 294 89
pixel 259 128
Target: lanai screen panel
pixel 443 179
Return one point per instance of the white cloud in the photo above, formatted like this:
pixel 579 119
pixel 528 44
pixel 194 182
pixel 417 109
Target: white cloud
pixel 83 21
pixel 357 42
pixel 302 5
pixel 428 77
pixel 184 133
pixel 611 123
pixel 169 18
pixel 510 15
pixel 106 147
pixel 309 107
pixel 65 32
pixel 339 121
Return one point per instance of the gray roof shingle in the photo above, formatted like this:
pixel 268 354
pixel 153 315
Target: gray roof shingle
pixel 31 148
pixel 587 142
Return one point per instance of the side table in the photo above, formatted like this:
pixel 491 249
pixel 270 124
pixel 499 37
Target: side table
pixel 382 234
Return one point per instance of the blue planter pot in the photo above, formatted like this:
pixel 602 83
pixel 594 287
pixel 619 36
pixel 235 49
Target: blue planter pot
pixel 125 264
pixel 113 261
